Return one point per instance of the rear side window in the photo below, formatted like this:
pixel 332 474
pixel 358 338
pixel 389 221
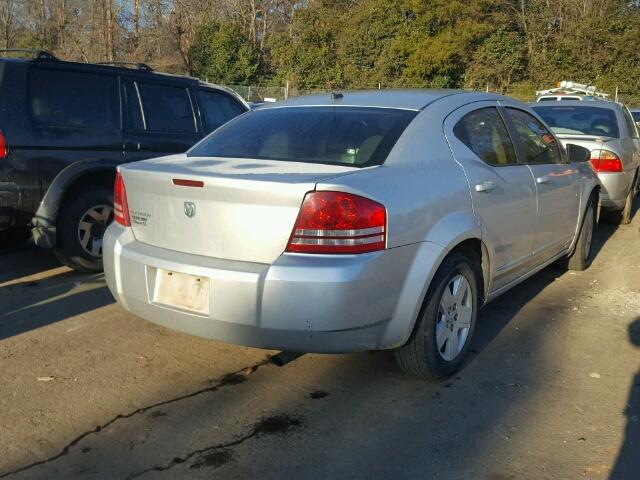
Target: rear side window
pixel 636 116
pixel 485 134
pixel 133 118
pixel 357 136
pixel 217 108
pixel 74 99
pixel 167 108
pixel 580 120
pixel 631 124
pixel 538 143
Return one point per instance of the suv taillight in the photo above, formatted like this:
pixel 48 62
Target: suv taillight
pixel 605 161
pixel 4 151
pixel 338 222
pixel 120 205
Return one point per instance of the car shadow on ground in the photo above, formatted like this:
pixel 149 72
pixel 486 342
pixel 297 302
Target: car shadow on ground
pixel 497 314
pixel 24 260
pixel 628 462
pixel 35 291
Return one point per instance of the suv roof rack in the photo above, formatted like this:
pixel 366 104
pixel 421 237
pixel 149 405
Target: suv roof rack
pixel 137 65
pixel 572 88
pixel 36 54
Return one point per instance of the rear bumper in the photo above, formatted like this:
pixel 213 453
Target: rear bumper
pixel 615 188
pixel 302 303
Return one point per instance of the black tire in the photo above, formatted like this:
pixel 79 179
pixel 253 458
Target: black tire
pixel 582 255
pixel 623 217
pixel 625 214
pixel 71 233
pixel 420 356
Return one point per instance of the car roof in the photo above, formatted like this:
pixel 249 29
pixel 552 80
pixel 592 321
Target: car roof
pixel 407 99
pixel 577 103
pixel 96 67
pixel 139 73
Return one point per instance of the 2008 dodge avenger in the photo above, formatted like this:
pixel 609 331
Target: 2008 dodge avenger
pixel 349 222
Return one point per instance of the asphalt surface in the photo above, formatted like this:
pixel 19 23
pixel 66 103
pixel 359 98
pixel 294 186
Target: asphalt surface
pixel 551 389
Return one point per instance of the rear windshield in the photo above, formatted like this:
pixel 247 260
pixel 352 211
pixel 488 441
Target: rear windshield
pixel 579 120
pixel 357 136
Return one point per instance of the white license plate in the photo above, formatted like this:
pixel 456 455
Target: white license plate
pixel 182 290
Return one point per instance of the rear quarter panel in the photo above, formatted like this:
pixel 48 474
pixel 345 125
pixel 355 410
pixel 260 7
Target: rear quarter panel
pixel 424 191
pixel 428 204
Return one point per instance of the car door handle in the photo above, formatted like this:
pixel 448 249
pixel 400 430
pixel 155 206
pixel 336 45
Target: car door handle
pixel 485 186
pixel 143 146
pixel 542 180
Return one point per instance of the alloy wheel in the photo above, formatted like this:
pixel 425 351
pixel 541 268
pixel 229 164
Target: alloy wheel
pixel 91 228
pixel 454 318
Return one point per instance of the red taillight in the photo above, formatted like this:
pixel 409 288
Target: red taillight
pixel 337 222
pixel 120 205
pixel 4 150
pixel 605 161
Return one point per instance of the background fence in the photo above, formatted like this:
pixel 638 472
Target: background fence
pixel 261 93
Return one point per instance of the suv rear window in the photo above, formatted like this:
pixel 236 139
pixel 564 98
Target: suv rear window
pixel 357 136
pixel 579 120
pixel 74 99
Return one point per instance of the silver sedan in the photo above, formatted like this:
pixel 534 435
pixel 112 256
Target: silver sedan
pixel 349 222
pixel 610 132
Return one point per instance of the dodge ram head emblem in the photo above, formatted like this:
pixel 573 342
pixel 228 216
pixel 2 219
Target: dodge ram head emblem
pixel 189 209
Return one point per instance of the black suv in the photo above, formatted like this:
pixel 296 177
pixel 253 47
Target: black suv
pixel 65 126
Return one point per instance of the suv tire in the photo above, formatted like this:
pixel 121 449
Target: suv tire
pixel 425 354
pixel 81 225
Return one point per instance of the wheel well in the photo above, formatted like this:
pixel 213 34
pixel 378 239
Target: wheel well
pixel 475 250
pixel 97 178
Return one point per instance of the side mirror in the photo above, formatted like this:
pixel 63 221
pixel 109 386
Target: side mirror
pixel 578 154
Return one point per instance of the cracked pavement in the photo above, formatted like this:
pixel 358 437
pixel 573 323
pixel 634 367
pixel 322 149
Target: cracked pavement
pixel 551 389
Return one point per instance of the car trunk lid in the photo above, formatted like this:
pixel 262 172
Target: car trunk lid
pixel 237 209
pixel 591 142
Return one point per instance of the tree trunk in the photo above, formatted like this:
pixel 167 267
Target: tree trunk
pixel 136 24
pixel 109 30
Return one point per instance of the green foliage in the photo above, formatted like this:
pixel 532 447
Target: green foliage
pixel 512 45
pixel 309 58
pixel 221 53
pixel 499 61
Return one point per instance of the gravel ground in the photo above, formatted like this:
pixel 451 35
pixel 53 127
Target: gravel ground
pixel 551 389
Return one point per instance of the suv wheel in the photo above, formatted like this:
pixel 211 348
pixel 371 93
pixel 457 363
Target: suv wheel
pixel 441 337
pixel 81 226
